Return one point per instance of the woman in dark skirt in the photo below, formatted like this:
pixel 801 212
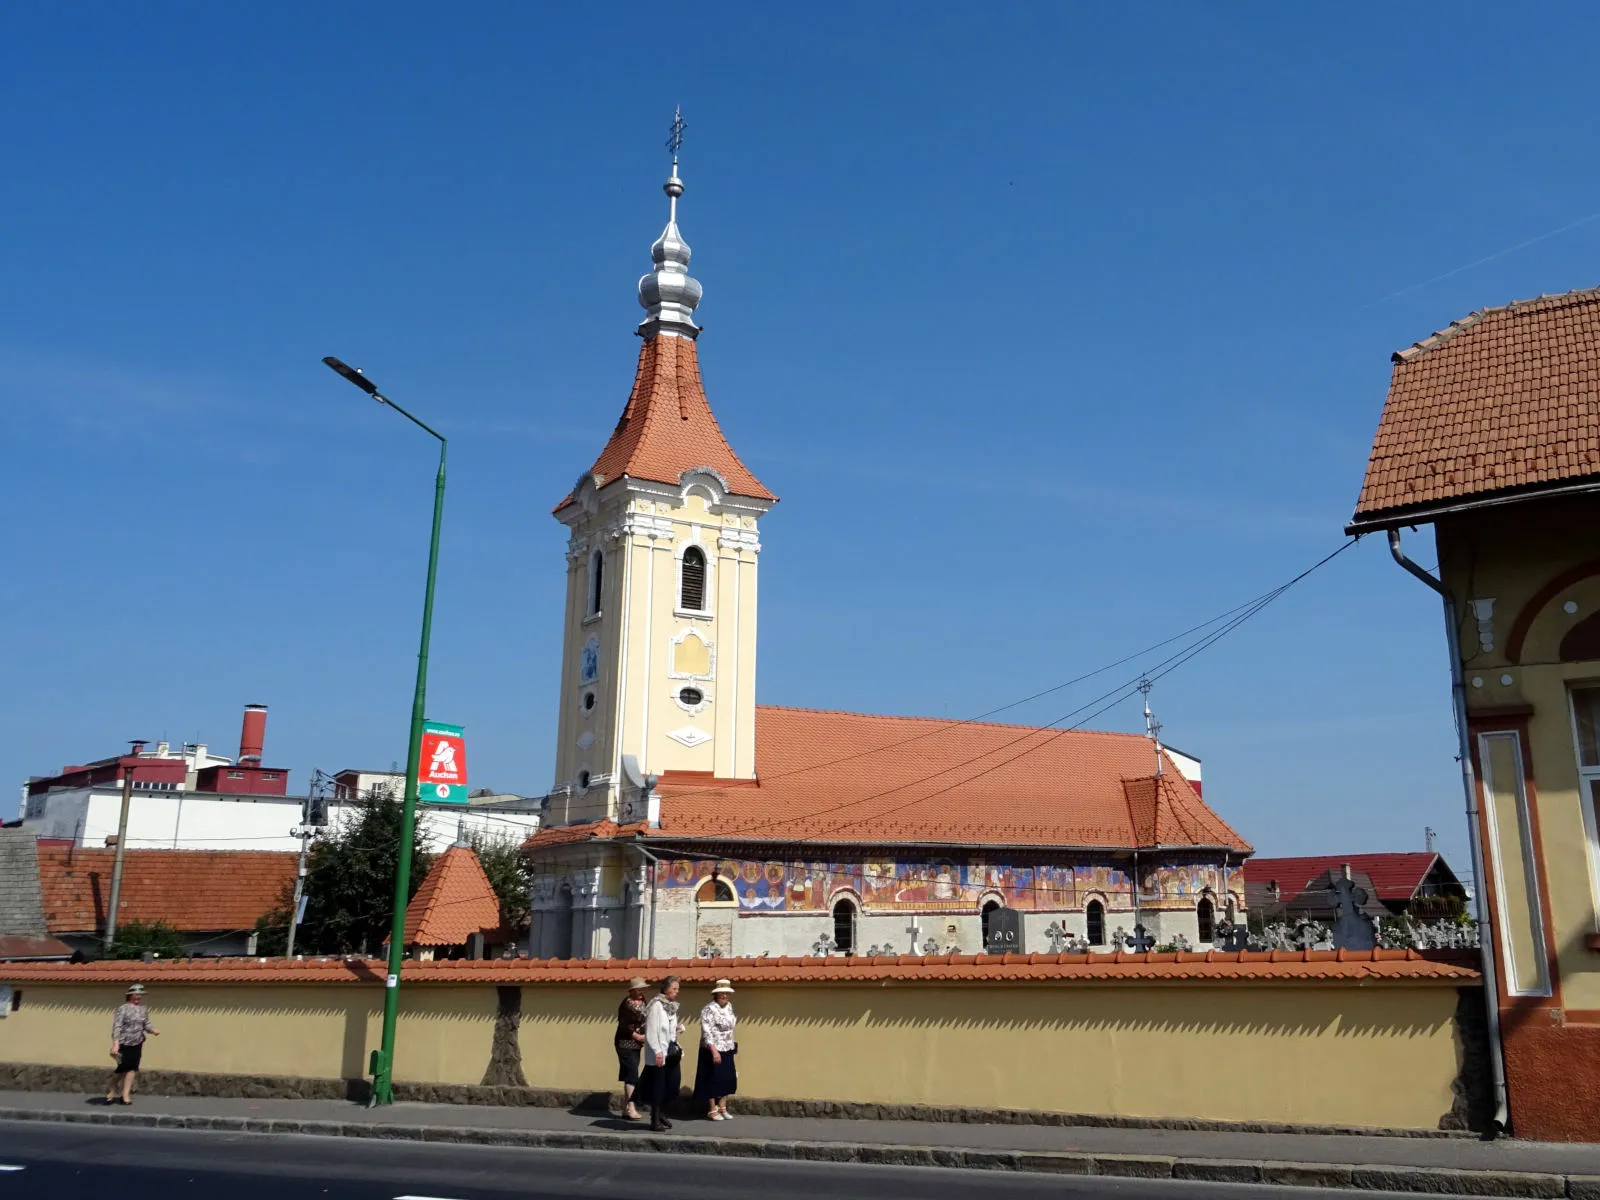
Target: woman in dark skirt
pixel 630 1044
pixel 717 1077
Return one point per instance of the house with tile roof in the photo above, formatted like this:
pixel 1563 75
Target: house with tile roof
pixel 212 897
pixel 1418 883
pixel 687 820
pixel 1490 434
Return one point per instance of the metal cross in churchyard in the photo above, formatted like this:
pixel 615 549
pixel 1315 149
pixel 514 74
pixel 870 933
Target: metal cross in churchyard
pixel 824 946
pixel 915 930
pixel 1352 928
pixel 1141 941
pixel 675 137
pixel 709 950
pixel 1230 937
pixel 1058 936
pixel 930 947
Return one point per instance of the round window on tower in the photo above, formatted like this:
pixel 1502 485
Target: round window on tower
pixel 691 696
pixel 588 702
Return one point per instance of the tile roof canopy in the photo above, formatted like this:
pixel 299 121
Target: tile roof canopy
pixel 1268 967
pixel 191 890
pixel 839 777
pixel 454 902
pixel 1395 876
pixel 21 903
pixel 667 426
pixel 1504 401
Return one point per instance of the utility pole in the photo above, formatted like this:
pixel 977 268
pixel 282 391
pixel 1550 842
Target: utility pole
pixel 122 844
pixel 314 815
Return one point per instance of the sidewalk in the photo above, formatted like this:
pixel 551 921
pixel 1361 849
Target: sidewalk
pixel 1455 1165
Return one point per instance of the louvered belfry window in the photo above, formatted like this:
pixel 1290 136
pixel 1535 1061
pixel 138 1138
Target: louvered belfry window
pixel 693 591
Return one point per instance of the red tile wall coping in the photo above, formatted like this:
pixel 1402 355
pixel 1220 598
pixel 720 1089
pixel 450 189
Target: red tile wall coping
pixel 1267 967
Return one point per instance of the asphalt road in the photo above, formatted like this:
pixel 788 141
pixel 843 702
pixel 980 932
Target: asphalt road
pixel 66 1162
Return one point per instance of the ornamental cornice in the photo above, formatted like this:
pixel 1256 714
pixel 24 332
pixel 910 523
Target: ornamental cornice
pixel 646 525
pixel 739 539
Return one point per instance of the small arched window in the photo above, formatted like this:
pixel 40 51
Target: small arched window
pixel 989 909
pixel 597 565
pixel 1096 915
pixel 715 891
pixel 1204 920
pixel 844 927
pixel 692 590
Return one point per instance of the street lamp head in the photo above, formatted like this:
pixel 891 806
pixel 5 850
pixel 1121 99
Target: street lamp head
pixel 354 375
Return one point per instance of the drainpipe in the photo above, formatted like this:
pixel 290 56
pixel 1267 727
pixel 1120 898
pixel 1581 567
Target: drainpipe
pixel 1469 785
pixel 655 872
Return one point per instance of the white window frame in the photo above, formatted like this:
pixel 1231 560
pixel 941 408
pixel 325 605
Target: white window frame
pixel 706 593
pixel 1587 778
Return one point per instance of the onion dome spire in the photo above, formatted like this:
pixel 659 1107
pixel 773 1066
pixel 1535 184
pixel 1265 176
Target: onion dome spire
pixel 669 294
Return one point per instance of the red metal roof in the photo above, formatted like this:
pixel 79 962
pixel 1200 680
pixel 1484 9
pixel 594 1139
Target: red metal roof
pixel 1396 876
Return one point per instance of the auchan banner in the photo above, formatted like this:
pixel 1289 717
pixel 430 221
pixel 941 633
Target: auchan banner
pixel 443 777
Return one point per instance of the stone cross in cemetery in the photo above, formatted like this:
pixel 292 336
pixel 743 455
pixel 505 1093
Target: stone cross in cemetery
pixel 824 946
pixel 1140 942
pixel 1352 928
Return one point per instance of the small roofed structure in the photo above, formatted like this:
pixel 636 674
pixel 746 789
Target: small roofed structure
pixel 1415 883
pixel 455 913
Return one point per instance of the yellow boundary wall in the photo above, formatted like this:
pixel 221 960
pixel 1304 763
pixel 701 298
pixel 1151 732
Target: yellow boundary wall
pixel 1380 1054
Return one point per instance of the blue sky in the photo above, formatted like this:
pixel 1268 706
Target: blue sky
pixel 1058 329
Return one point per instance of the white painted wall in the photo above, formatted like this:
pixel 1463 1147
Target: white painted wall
pixel 205 821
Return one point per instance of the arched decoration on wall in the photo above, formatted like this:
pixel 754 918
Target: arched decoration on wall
pixel 991 906
pixel 693 656
pixel 1582 641
pixel 1205 920
pixel 715 890
pixel 1537 604
pixel 692 580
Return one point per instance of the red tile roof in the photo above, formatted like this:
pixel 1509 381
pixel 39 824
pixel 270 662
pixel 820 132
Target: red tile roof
pixel 191 890
pixel 1395 876
pixel 454 902
pixel 1265 967
pixel 838 777
pixel 14 947
pixel 667 426
pixel 1507 398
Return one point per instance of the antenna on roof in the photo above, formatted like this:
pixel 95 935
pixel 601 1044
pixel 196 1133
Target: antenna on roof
pixel 1152 727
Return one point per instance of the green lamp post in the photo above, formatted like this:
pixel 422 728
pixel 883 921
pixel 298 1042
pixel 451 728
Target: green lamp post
pixel 382 1067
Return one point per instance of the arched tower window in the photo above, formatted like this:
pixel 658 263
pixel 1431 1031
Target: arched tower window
pixel 844 927
pixel 1096 917
pixel 597 565
pixel 692 587
pixel 1204 919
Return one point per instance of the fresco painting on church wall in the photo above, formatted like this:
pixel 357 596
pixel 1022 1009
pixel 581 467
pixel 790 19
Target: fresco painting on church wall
pixel 935 885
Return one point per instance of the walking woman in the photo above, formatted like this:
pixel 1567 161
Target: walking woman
pixel 129 1027
pixel 663 1058
pixel 717 1078
pixel 630 1043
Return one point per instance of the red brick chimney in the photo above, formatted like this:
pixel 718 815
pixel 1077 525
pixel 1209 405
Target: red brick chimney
pixel 252 734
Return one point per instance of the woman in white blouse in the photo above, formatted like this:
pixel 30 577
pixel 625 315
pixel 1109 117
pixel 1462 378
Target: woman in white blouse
pixel 717 1078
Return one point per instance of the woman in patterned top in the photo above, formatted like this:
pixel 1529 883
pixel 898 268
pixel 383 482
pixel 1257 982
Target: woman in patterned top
pixel 716 1077
pixel 129 1028
pixel 630 1043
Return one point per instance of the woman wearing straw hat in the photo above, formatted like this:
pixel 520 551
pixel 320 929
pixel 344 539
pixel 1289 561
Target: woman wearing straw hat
pixel 630 1043
pixel 129 1027
pixel 717 1078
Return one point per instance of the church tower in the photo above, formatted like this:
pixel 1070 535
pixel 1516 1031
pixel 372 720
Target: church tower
pixel 659 646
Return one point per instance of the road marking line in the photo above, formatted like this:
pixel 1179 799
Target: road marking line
pixel 423 1198
pixel 9 1167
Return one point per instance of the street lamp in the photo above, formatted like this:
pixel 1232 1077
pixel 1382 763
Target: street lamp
pixel 382 1067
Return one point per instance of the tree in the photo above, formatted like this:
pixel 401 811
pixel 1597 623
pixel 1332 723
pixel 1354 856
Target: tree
pixel 135 939
pixel 509 874
pixel 349 885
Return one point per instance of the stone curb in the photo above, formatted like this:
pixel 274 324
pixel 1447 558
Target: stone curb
pixel 1347 1176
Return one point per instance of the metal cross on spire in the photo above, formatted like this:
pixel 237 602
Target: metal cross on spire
pixel 1152 727
pixel 675 135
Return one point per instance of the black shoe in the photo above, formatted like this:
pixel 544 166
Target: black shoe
pixel 658 1126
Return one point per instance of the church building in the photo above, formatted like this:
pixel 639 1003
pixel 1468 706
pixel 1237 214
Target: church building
pixel 687 820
